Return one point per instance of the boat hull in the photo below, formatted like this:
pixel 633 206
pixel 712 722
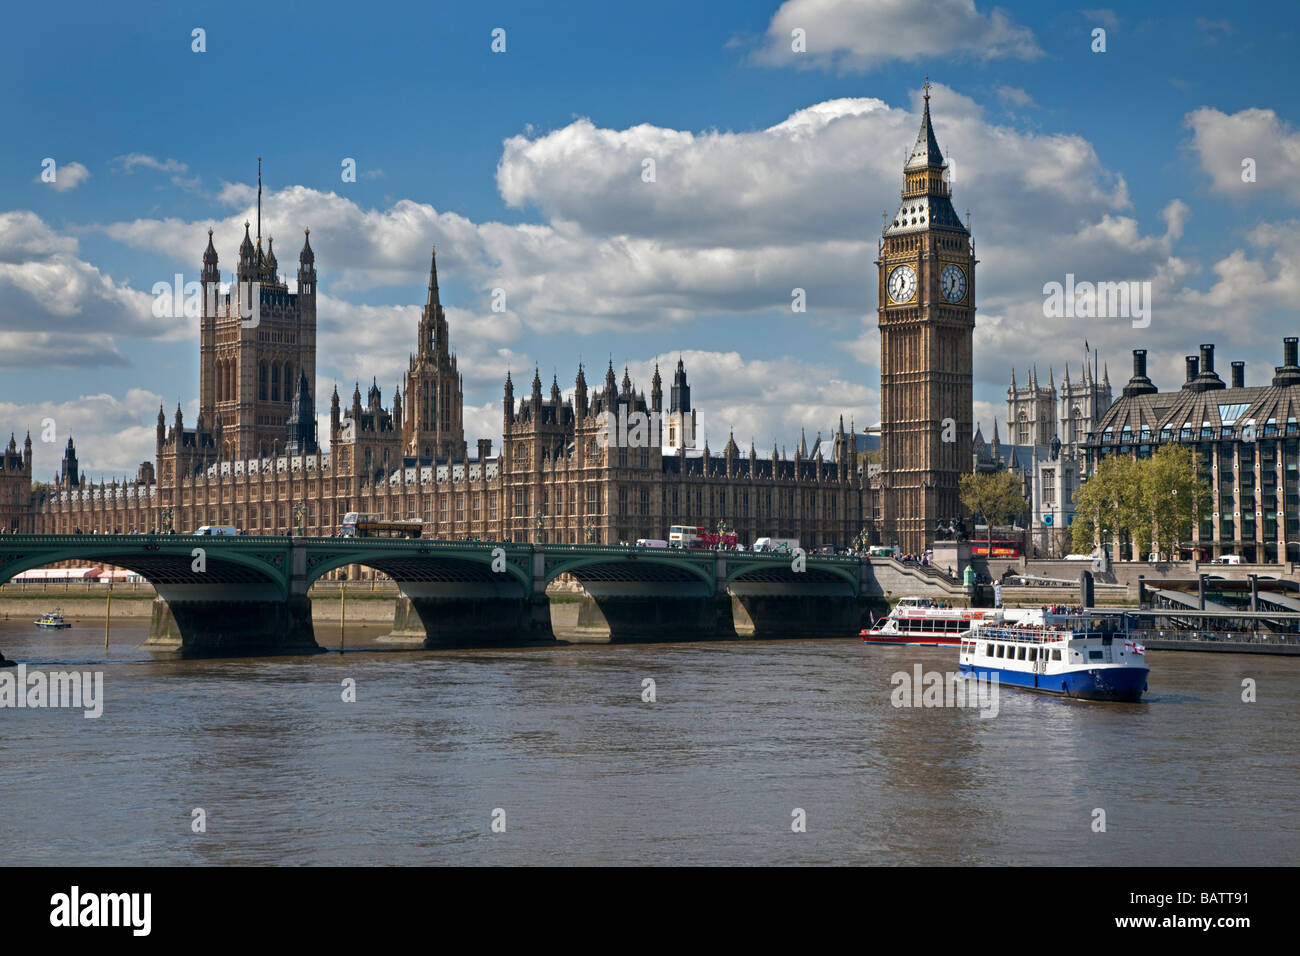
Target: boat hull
pixel 903 640
pixel 1125 684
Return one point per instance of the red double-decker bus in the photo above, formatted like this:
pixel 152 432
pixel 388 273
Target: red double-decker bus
pixel 1001 549
pixel 690 536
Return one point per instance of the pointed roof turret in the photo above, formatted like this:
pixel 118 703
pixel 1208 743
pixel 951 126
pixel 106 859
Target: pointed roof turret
pixel 926 151
pixel 306 256
pixel 432 301
pixel 210 253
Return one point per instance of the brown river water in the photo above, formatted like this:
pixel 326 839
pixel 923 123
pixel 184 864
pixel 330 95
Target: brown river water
pixel 557 745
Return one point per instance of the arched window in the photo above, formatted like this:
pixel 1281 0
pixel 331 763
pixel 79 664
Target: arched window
pixel 289 383
pixel 275 383
pixel 1022 435
pixel 261 382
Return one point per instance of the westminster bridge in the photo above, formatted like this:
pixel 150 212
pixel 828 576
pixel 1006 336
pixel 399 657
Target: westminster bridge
pixel 249 595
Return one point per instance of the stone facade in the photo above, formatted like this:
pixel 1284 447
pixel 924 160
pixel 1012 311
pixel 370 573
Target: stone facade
pixel 926 312
pixel 564 474
pixel 16 487
pixel 1247 444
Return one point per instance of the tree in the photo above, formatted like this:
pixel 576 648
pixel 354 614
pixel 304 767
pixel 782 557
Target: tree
pixel 1173 497
pixel 994 497
pixel 1151 501
pixel 1108 505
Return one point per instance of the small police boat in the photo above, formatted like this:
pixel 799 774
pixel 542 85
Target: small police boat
pixel 1088 656
pixel 53 619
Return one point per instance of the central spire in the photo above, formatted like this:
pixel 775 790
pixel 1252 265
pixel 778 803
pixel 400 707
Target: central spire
pixel 925 154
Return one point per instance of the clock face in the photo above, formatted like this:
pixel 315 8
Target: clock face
pixel 953 284
pixel 902 284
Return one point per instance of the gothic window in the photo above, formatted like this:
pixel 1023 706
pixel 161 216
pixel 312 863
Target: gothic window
pixel 426 452
pixel 275 383
pixel 261 382
pixel 367 459
pixel 1022 435
pixel 593 500
pixel 622 501
pixel 645 501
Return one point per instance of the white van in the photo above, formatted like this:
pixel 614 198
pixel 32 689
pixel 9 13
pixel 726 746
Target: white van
pixel 1228 559
pixel 218 529
pixel 776 544
pixel 651 543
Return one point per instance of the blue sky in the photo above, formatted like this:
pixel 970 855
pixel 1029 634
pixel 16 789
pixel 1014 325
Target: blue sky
pixel 525 168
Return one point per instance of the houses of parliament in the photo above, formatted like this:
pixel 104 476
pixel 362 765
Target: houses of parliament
pixel 253 459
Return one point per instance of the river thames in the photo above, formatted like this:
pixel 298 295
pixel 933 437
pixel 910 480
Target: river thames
pixel 558 746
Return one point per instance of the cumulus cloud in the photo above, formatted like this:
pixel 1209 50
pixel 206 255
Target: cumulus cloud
pixel 59 311
pixel 109 431
pixel 67 176
pixel 1223 142
pixel 860 35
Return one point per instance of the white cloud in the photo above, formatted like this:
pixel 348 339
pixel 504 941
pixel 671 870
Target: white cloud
pixel 109 431
pixel 174 168
pixel 861 35
pixel 1015 96
pixel 67 176
pixel 1224 141
pixel 58 311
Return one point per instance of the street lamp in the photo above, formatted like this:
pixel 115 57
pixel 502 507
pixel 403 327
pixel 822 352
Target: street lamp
pixel 298 510
pixel 590 532
pixel 167 520
pixel 723 528
pixel 539 522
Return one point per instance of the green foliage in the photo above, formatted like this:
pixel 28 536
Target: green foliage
pixel 994 497
pixel 1152 501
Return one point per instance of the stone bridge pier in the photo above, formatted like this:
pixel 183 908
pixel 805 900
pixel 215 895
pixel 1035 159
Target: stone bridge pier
pixel 481 596
pixel 227 615
pixel 823 599
pixel 638 595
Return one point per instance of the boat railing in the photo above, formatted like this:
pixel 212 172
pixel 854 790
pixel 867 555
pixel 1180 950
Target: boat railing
pixel 1029 635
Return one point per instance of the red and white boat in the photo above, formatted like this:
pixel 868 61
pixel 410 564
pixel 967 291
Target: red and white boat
pixel 921 622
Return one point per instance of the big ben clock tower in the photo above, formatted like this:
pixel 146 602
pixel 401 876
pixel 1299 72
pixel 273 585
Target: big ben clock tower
pixel 926 308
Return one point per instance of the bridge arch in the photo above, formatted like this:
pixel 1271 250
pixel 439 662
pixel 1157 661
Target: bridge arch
pixel 422 561
pixel 751 571
pixel 621 564
pixel 162 560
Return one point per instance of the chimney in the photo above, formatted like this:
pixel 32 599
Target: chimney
pixel 1287 373
pixel 1207 359
pixel 484 449
pixel 1193 366
pixel 1238 374
pixel 1139 384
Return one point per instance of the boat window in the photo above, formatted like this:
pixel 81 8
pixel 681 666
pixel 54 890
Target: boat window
pixel 1056 653
pixel 1095 655
pixel 1021 655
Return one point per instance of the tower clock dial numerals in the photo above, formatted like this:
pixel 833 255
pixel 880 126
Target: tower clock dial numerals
pixel 953 284
pixel 902 284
